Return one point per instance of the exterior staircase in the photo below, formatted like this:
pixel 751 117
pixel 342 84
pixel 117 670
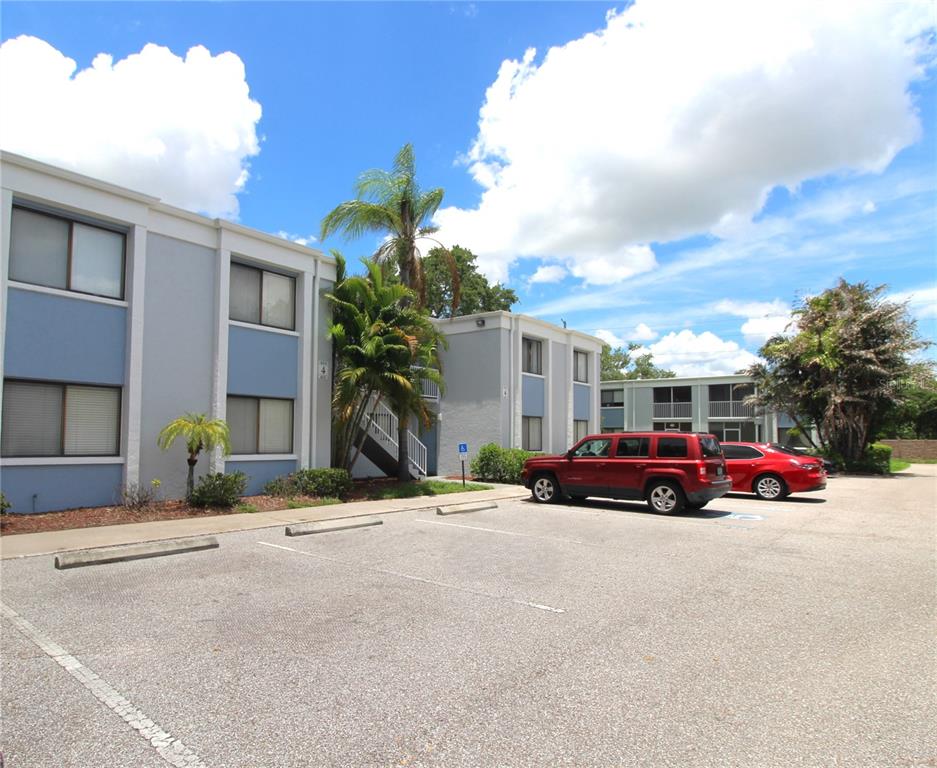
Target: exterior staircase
pixel 381 447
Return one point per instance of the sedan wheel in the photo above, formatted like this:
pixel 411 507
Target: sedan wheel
pixel 544 489
pixel 770 488
pixel 666 499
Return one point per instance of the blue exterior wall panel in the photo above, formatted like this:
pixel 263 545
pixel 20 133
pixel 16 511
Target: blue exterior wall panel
pixel 613 418
pixel 61 486
pixel 532 396
pixel 582 402
pixel 260 472
pixel 262 363
pixel 64 339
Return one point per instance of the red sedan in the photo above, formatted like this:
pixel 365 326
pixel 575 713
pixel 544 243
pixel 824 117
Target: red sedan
pixel 769 473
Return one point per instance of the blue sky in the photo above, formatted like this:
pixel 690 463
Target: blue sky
pixel 670 173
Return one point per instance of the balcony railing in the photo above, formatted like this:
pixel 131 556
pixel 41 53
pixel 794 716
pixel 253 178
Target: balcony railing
pixel 428 389
pixel 730 409
pixel 673 410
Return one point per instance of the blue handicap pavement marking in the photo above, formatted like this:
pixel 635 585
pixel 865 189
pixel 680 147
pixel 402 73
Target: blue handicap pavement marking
pixel 739 516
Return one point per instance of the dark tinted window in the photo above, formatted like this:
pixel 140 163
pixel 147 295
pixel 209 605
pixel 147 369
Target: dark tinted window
pixel 671 447
pixel 709 446
pixel 741 452
pixel 633 446
pixel 785 449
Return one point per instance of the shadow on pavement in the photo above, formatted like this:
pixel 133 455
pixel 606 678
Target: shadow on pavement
pixel 636 506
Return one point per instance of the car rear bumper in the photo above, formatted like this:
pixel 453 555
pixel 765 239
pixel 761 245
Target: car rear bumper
pixel 815 487
pixel 713 491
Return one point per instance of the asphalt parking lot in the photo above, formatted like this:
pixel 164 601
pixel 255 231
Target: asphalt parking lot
pixel 750 634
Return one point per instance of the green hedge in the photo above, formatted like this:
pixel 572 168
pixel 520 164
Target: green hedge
pixel 499 465
pixel 218 490
pixel 876 461
pixel 321 483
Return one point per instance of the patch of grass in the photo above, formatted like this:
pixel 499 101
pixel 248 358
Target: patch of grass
pixel 920 461
pixel 300 504
pixel 247 508
pixel 424 488
pixel 896 465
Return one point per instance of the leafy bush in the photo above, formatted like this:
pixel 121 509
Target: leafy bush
pixel 137 496
pixel 500 465
pixel 219 490
pixel 322 483
pixel 4 504
pixel 876 460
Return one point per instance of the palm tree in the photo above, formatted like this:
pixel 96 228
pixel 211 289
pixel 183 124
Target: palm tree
pixel 391 203
pixel 200 434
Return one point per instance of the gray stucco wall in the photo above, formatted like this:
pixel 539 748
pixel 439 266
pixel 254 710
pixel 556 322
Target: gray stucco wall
pixel 643 408
pixel 471 405
pixel 559 381
pixel 61 486
pixel 262 363
pixel 178 349
pixel 64 339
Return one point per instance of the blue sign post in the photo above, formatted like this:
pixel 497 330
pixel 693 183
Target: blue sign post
pixel 463 452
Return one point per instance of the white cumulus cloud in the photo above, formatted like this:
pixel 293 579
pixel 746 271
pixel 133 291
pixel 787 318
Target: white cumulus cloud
pixel 299 239
pixel 642 332
pixel 704 354
pixel 764 319
pixel 181 129
pixel 678 118
pixel 610 338
pixel 548 273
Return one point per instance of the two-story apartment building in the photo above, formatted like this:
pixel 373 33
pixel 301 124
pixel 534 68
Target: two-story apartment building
pixel 516 381
pixel 714 404
pixel 119 313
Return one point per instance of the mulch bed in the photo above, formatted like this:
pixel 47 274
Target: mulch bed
pixel 88 517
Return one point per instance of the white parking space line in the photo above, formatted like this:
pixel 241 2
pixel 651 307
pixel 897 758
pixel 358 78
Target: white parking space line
pixel 510 533
pixel 171 749
pixel 385 572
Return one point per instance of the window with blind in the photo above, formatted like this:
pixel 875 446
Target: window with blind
pixel 261 297
pixel 58 253
pixel 50 419
pixel 580 429
pixel 581 366
pixel 532 354
pixel 532 433
pixel 260 425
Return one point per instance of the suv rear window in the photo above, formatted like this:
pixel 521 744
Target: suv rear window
pixel 741 452
pixel 709 446
pixel 671 447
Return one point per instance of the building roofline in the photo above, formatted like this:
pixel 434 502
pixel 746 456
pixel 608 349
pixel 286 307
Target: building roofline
pixel 500 313
pixel 158 205
pixel 741 376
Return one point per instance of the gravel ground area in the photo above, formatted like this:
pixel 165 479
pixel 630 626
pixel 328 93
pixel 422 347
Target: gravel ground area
pixel 795 633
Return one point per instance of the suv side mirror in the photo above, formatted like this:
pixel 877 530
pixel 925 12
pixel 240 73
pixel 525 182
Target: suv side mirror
pixel 569 454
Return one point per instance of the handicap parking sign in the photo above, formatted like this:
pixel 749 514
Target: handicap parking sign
pixel 463 448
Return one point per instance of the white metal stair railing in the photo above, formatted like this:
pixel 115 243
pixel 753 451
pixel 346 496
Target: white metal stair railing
pixel 382 426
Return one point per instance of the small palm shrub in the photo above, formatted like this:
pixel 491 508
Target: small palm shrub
pixel 218 490
pixel 4 504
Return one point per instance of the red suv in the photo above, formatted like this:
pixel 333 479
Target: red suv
pixel 771 471
pixel 668 470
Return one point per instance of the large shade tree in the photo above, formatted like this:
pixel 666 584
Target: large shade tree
pixel 469 293
pixel 618 363
pixel 391 205
pixel 846 363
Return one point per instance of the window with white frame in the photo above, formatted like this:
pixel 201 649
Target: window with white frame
pixel 532 433
pixel 60 253
pixel 581 366
pixel 55 419
pixel 532 356
pixel 580 429
pixel 262 297
pixel 613 398
pixel 260 425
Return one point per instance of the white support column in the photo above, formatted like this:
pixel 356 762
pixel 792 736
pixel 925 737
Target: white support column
pixel 517 376
pixel 135 289
pixel 570 401
pixel 548 396
pixel 219 388
pixel 307 376
pixel 596 392
pixel 317 375
pixel 6 221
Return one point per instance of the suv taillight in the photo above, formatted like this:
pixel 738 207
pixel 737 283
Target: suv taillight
pixel 702 469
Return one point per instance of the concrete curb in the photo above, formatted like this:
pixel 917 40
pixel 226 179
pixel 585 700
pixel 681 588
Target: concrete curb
pixel 119 554
pixel 325 526
pixel 460 509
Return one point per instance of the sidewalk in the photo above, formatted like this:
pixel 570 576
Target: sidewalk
pixel 53 542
